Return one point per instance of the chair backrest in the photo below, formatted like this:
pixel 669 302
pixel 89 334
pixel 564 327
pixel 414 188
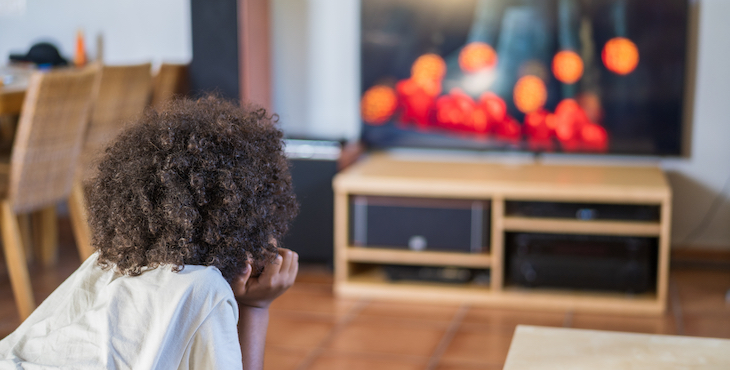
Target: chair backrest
pixel 169 81
pixel 124 92
pixel 49 136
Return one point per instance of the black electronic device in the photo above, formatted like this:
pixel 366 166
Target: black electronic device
pixel 592 262
pixel 583 211
pixel 437 274
pixel 420 223
pixel 215 64
pixel 313 165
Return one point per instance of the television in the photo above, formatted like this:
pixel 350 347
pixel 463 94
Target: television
pixel 566 76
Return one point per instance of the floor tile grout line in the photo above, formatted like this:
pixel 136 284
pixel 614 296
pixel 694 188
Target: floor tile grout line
pixel 372 354
pixel 676 306
pixel 339 326
pixel 448 337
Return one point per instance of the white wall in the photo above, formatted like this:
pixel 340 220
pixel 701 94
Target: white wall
pixel 698 181
pixel 320 38
pixel 134 31
pixel 316 71
pixel 290 59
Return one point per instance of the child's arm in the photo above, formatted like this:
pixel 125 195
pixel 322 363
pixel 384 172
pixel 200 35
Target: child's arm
pixel 254 295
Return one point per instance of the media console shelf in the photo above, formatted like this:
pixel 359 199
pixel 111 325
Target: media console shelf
pixel 359 269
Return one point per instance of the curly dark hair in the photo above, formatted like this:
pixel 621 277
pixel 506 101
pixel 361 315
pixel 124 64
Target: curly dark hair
pixel 201 182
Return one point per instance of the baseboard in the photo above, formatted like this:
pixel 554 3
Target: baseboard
pixel 698 257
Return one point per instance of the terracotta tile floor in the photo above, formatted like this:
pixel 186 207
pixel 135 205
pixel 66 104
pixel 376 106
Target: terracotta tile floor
pixel 311 329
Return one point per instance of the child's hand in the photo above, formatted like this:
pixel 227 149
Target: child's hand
pixel 259 292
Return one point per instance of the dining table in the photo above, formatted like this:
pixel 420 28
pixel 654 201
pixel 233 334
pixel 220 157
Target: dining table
pixel 13 84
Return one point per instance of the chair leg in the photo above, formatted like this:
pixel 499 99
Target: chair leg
pixel 8 124
pixel 26 236
pixel 15 259
pixel 80 221
pixel 45 229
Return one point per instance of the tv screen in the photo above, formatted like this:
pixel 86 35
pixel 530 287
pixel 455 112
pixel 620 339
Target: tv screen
pixel 575 76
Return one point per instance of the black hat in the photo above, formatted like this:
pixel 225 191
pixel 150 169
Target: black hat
pixel 41 53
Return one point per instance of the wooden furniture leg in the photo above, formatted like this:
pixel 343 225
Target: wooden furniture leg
pixel 7 131
pixel 45 229
pixel 26 236
pixel 15 259
pixel 80 221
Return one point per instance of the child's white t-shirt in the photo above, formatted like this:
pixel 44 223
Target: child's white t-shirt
pixel 100 319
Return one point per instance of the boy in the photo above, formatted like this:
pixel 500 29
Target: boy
pixel 185 210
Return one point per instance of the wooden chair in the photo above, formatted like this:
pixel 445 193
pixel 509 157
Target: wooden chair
pixel 42 165
pixel 124 92
pixel 169 81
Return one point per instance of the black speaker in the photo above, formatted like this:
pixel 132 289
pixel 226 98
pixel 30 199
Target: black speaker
pixel 313 165
pixel 215 47
pixel 592 262
pixel 420 223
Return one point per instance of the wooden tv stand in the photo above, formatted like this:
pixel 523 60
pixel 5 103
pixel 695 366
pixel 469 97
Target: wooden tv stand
pixel 358 271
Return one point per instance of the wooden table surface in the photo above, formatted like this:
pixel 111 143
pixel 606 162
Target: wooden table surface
pixel 535 347
pixel 12 89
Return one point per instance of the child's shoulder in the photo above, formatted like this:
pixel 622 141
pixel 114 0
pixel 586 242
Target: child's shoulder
pixel 194 291
pixel 198 275
pixel 195 285
pixel 196 278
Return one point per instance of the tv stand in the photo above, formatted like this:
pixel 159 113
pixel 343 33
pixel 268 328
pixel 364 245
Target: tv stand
pixel 360 272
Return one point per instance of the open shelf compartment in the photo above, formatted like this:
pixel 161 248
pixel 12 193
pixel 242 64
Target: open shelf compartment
pixel 427 258
pixel 373 283
pixel 628 228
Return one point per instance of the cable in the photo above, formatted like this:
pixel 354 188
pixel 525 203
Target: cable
pixel 709 215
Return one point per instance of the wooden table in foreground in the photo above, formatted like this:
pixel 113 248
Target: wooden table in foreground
pixel 543 348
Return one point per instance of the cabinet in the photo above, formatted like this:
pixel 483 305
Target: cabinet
pixel 359 269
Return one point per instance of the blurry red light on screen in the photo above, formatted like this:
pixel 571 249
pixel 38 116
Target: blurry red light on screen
pixel 529 94
pixel 509 131
pixel 595 138
pixel 567 116
pixel 495 107
pixel 457 110
pixel 539 134
pixel 479 119
pixel 575 131
pixel 428 67
pixel 536 125
pixel 378 104
pixel 416 101
pixel 476 56
pixel 567 66
pixel 620 55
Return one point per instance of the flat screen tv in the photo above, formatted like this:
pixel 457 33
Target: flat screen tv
pixel 572 76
